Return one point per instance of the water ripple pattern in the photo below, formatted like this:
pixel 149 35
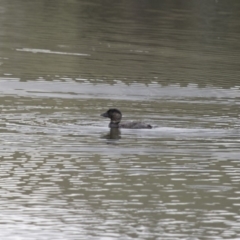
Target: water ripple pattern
pixel 65 175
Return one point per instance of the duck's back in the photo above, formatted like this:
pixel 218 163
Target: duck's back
pixel 134 125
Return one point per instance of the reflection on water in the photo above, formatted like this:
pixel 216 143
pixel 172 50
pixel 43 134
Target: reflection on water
pixel 50 52
pixel 114 133
pixel 65 174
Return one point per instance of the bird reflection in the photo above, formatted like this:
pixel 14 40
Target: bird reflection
pixel 114 133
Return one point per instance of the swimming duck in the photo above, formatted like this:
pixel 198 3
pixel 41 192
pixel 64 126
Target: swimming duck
pixel 115 115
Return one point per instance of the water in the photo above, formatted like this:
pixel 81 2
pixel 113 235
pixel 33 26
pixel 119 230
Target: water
pixel 173 64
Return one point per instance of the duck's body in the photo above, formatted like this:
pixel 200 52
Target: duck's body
pixel 131 125
pixel 115 115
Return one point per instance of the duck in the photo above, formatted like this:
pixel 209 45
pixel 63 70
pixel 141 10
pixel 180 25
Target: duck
pixel 115 116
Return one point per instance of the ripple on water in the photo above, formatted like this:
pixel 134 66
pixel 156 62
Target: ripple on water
pixel 62 172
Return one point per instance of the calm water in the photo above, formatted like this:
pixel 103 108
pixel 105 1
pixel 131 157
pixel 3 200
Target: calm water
pixel 174 64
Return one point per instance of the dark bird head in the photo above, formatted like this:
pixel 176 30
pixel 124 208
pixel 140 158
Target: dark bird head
pixel 114 114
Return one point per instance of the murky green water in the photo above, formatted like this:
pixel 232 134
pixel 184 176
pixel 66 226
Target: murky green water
pixel 64 174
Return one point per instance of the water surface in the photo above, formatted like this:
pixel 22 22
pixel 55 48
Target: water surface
pixel 64 174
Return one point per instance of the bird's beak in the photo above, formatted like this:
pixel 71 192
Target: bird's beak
pixel 104 114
